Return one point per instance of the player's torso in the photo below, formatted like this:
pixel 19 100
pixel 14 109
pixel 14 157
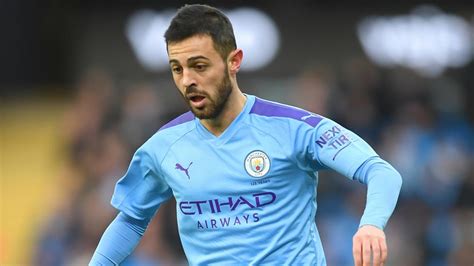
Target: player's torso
pixel 217 180
pixel 241 194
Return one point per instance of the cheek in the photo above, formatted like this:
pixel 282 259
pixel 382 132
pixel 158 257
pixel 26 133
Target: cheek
pixel 180 91
pixel 215 79
pixel 175 79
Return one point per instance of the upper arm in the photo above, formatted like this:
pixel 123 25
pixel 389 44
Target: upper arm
pixel 332 146
pixel 142 189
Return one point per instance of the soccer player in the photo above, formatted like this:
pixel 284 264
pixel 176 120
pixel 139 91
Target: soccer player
pixel 243 170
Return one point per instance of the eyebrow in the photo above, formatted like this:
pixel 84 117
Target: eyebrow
pixel 191 59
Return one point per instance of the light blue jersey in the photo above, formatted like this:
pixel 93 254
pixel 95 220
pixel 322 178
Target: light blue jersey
pixel 249 195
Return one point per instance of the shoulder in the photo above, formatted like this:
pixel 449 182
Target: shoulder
pixel 180 120
pixel 170 133
pixel 278 111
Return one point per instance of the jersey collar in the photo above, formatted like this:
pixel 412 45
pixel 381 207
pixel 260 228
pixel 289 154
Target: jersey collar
pixel 231 129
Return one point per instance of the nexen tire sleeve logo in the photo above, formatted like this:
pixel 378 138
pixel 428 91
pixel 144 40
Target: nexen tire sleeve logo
pixel 334 138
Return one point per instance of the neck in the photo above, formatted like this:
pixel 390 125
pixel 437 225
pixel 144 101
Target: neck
pixel 231 110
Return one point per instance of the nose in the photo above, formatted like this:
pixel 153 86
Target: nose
pixel 188 78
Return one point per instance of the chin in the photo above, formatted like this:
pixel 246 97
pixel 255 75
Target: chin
pixel 203 114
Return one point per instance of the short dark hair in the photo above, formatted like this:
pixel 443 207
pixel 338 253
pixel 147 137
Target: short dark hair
pixel 194 20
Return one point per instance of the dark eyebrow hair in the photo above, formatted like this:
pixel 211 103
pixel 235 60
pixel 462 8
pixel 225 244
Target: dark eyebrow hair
pixel 194 58
pixel 173 61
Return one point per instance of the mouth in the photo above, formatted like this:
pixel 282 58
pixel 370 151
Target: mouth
pixel 197 100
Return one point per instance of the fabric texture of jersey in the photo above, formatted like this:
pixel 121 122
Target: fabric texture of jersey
pixel 249 195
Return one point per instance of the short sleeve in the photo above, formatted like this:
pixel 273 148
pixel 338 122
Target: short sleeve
pixel 142 189
pixel 335 147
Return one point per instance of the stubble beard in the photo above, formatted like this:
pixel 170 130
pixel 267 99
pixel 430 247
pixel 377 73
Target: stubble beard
pixel 216 105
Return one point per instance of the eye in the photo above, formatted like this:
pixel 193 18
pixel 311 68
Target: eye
pixel 176 69
pixel 200 67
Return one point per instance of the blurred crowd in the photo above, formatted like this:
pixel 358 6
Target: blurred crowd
pixel 423 126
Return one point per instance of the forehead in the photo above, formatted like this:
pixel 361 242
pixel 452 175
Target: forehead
pixel 199 45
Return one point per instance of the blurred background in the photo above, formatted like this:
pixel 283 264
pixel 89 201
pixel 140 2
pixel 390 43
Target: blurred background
pixel 84 83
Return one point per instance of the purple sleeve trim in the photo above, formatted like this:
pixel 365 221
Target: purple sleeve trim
pixel 268 108
pixel 186 117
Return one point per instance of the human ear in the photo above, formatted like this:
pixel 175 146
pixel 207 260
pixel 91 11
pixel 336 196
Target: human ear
pixel 235 60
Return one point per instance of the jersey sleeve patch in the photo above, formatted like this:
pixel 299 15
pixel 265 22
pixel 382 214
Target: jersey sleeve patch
pixel 339 148
pixel 334 138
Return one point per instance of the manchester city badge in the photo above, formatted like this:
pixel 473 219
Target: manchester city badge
pixel 257 163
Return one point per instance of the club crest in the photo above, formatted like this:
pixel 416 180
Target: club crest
pixel 257 163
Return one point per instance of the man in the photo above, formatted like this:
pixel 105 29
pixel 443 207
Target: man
pixel 243 170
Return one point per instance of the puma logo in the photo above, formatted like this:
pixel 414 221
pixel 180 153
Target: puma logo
pixel 185 170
